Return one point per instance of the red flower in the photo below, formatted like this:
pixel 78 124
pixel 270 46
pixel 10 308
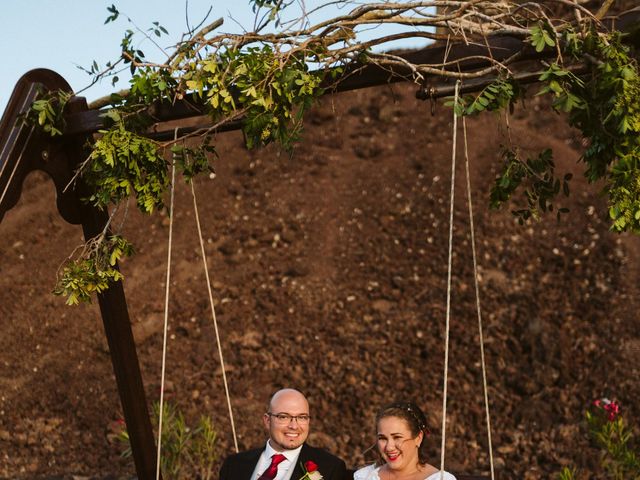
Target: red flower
pixel 310 466
pixel 611 408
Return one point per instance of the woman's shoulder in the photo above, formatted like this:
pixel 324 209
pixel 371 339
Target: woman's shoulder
pixel 437 476
pixel 370 472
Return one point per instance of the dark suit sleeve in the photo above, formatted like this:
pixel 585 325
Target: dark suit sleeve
pixel 340 472
pixel 224 470
pixel 240 466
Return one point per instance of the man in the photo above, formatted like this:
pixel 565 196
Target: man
pixel 286 456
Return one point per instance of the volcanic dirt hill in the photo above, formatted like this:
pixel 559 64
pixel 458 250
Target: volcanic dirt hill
pixel 329 266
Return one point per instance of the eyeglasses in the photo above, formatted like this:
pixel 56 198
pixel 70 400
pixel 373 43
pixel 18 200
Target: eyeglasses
pixel 285 418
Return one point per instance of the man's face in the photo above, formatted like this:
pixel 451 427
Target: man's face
pixel 287 433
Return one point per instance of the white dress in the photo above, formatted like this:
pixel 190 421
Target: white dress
pixel 370 472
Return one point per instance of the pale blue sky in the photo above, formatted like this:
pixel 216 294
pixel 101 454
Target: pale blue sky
pixel 61 34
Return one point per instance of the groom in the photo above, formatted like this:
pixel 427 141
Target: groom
pixel 286 456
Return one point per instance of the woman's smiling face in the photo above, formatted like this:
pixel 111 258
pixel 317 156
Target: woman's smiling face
pixel 396 444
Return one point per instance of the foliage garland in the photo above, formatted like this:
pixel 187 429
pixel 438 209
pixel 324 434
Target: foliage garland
pixel 265 79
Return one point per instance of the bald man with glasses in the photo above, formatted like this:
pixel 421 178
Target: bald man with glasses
pixel 285 456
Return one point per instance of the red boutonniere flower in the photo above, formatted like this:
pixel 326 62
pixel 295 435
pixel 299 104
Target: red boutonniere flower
pixel 311 471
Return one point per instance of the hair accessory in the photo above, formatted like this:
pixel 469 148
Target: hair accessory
pixel 420 422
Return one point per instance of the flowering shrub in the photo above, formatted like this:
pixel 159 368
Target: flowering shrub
pixel 607 428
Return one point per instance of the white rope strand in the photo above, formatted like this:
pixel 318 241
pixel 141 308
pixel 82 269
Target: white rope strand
pixel 15 167
pixel 166 314
pixel 7 146
pixel 475 279
pixel 449 263
pixel 213 313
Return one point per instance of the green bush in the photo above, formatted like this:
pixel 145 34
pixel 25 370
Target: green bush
pixel 187 452
pixel 608 430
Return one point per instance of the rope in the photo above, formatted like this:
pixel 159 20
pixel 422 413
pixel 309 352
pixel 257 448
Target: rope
pixel 213 313
pixel 166 314
pixel 15 167
pixel 475 279
pixel 22 108
pixel 449 263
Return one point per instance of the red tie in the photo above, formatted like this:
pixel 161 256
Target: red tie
pixel 271 472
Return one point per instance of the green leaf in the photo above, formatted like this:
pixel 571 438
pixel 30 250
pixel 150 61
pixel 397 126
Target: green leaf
pixel 547 39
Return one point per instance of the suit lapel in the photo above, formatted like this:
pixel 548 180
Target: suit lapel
pixel 298 471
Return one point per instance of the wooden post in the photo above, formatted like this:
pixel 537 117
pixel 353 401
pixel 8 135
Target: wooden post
pixel 24 149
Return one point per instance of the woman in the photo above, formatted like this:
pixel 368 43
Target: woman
pixel 401 429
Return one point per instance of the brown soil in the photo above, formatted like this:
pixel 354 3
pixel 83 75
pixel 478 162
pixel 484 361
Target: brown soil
pixel 329 271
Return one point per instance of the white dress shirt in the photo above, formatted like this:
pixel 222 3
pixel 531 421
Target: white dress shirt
pixel 285 468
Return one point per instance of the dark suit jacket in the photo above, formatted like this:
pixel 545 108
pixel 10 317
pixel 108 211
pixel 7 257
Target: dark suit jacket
pixel 241 465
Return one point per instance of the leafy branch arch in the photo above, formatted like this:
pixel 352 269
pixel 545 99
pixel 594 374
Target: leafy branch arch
pixel 268 79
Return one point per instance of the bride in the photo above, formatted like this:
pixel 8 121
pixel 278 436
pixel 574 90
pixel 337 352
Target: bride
pixel 401 447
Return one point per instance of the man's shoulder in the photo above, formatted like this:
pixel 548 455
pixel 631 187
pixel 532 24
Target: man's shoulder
pixel 240 465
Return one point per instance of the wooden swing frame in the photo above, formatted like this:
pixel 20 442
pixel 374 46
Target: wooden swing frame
pixel 24 149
